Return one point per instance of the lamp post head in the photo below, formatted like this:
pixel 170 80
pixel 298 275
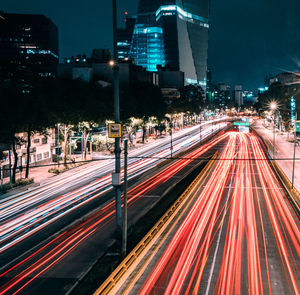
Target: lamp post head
pixel 111 63
pixel 273 105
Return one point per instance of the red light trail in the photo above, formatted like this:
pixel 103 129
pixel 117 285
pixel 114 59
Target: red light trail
pixel 257 211
pixel 43 259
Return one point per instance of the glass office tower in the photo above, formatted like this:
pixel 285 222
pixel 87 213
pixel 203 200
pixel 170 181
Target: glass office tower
pixel 184 24
pixel 148 47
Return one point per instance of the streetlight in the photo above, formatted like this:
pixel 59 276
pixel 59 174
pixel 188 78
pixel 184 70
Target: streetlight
pixel 273 107
pixel 171 133
pixel 114 64
pixel 200 128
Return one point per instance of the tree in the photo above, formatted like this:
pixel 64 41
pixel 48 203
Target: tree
pixel 142 100
pixel 282 95
pixel 192 99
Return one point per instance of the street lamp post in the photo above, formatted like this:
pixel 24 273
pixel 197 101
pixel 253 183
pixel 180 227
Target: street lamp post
pixel 294 156
pixel 171 134
pixel 274 136
pixel 273 107
pixel 125 222
pixel 200 129
pixel 117 119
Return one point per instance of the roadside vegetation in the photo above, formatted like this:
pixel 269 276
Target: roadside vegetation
pixel 32 104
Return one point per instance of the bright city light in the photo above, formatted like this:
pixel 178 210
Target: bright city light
pixel 273 105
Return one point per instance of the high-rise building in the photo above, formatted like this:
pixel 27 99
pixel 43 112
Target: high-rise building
pixel 29 40
pixel 222 95
pixel 147 48
pixel 182 26
pixel 124 36
pixel 238 95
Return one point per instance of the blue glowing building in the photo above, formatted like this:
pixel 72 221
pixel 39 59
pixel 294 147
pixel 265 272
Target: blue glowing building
pixel 182 26
pixel 148 47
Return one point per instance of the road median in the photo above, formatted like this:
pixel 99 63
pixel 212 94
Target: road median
pixel 111 285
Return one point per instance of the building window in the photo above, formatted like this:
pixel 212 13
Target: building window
pixel 44 140
pixel 46 155
pixel 36 140
pixel 39 157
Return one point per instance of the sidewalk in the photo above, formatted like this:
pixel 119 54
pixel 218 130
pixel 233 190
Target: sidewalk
pixel 40 175
pixel 283 150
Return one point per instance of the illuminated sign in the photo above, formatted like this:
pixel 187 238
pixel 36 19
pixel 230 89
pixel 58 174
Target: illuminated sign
pixel 114 130
pixel 298 126
pixel 241 124
pixel 293 109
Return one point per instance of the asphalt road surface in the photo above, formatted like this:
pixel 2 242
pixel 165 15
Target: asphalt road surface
pixel 46 243
pixel 237 234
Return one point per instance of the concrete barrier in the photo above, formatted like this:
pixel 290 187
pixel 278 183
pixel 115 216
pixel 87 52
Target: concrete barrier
pixel 117 274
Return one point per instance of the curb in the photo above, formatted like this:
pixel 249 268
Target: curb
pixel 117 274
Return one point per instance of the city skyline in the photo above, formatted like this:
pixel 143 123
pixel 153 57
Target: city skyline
pixel 169 164
pixel 179 31
pixel 246 41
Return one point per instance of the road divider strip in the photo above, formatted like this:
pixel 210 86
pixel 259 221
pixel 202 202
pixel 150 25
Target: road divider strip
pixel 294 194
pixel 136 254
pixel 181 154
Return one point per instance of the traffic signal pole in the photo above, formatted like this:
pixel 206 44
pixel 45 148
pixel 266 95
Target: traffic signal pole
pixel 117 184
pixel 124 239
pixel 294 157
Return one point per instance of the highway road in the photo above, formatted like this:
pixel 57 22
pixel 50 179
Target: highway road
pixel 39 247
pixel 24 214
pixel 235 233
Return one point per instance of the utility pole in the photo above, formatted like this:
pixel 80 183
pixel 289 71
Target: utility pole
pixel 294 157
pixel 124 239
pixel 117 120
pixel 1 174
pixel 200 129
pixel 58 155
pixel 82 145
pixel 171 144
pixel 274 138
pixel 10 176
pixel 70 150
pixel 171 134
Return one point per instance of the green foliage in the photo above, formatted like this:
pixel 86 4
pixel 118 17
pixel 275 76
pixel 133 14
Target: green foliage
pixel 192 100
pixel 142 100
pixel 20 182
pixel 282 95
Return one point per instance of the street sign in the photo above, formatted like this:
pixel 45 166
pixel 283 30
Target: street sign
pixel 293 109
pixel 241 124
pixel 114 130
pixel 297 126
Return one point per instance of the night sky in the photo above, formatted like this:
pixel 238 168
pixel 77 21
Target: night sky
pixel 248 38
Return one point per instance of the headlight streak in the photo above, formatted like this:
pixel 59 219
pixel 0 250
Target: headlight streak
pixel 179 269
pixel 277 207
pixel 41 262
pixel 13 230
pixel 185 244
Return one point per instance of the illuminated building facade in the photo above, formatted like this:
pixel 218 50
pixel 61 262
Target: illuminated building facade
pixel 184 26
pixel 29 40
pixel 148 47
pixel 125 37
